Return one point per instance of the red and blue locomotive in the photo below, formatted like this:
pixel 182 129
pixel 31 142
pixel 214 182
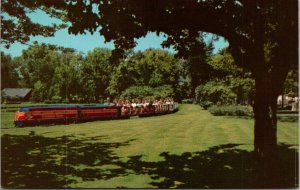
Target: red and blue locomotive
pixel 36 115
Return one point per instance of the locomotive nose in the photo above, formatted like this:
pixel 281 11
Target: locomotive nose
pixel 20 118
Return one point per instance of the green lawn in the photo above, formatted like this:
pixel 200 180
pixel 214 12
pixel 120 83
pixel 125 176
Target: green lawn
pixel 190 148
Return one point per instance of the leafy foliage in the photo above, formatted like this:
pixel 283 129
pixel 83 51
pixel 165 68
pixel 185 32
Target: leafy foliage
pixel 96 72
pixel 215 92
pixel 239 80
pixel 137 92
pixel 230 110
pixel 56 99
pixel 39 92
pixel 152 68
pixel 9 75
pixel 147 92
pixel 50 71
pixel 291 82
pixel 16 26
pixel 187 101
pixel 163 91
pixel 227 84
pixel 196 53
pixel 54 71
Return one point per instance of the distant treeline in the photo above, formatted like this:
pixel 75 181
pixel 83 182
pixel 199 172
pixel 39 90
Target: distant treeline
pixel 62 75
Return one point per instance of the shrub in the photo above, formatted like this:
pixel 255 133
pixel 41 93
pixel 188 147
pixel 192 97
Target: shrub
pixel 230 110
pixel 288 118
pixel 56 99
pixel 47 101
pixel 147 92
pixel 164 91
pixel 66 101
pixel 205 104
pixel 187 101
pixel 14 98
pixel 214 92
pixel 137 92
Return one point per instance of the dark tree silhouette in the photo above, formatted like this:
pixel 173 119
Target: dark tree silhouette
pixel 250 26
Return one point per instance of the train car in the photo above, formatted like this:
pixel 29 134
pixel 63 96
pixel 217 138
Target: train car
pixel 36 115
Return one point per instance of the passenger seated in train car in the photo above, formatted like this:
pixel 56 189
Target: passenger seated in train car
pixel 163 105
pixel 128 103
pixel 115 102
pixel 119 103
pixel 150 103
pixel 146 106
pixel 160 103
pixel 156 105
pixel 168 103
pixel 107 101
pixel 139 102
pixel 132 107
pixel 125 106
pixel 119 106
pixel 133 103
pixel 144 102
pixel 138 106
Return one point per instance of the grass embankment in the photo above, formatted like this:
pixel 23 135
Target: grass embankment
pixel 190 148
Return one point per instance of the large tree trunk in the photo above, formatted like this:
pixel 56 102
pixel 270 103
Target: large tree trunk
pixel 265 132
pixel 265 109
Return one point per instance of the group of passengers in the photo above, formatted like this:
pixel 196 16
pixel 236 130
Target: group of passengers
pixel 159 105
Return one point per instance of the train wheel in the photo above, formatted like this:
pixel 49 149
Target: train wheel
pixel 19 124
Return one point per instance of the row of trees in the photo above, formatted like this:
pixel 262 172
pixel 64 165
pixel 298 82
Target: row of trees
pixel 62 74
pixel 57 73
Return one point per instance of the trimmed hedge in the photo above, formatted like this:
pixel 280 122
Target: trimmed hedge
pixel 187 101
pixel 231 110
pixel 288 118
pixel 235 110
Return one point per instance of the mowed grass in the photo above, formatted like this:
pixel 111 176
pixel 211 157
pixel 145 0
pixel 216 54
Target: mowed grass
pixel 184 149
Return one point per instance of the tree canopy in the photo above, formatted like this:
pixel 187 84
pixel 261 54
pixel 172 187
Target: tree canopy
pixel 62 74
pixel 9 75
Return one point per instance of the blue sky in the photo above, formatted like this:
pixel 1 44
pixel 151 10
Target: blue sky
pixel 87 42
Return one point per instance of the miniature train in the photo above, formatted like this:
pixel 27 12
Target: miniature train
pixel 37 115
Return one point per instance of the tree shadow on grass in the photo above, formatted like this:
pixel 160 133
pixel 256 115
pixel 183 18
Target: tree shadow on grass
pixel 34 161
pixel 223 166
